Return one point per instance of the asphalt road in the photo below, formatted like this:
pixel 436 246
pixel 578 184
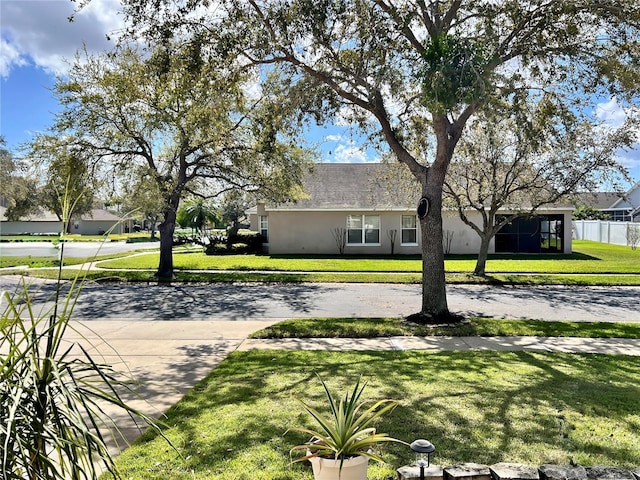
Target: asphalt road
pixel 256 301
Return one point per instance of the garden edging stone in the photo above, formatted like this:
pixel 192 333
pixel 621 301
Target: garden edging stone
pixel 515 471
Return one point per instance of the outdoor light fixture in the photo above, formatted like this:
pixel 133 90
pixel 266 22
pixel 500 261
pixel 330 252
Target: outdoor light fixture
pixel 423 449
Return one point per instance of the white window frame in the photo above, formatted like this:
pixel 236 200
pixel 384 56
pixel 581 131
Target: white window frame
pixel 363 229
pixel 264 227
pixel 403 228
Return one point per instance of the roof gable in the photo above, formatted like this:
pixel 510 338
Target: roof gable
pixel 631 199
pixel 354 186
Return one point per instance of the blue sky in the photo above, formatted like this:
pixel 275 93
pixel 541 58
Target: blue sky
pixel 37 41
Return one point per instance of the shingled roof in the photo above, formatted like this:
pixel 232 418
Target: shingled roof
pixel 598 200
pixel 352 186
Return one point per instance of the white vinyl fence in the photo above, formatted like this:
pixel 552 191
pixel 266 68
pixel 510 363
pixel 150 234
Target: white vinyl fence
pixel 603 231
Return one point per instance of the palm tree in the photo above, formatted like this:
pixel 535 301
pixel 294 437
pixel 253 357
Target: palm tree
pixel 199 213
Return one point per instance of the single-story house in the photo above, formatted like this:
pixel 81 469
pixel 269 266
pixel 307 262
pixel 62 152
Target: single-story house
pixel 96 222
pixel 349 199
pixel 620 207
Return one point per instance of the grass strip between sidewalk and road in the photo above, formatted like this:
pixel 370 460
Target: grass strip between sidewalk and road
pixel 484 407
pixel 485 327
pixel 283 277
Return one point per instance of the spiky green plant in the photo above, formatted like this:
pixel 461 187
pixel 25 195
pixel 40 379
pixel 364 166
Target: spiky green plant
pixel 347 431
pixel 53 394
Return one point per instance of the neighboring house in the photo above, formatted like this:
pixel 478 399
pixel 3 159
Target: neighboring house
pixel 351 198
pixel 620 207
pixel 97 222
pixel 626 208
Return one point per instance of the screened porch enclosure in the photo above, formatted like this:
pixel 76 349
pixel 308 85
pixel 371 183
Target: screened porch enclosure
pixel 541 234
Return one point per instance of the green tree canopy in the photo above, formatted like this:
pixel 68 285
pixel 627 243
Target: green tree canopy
pixel 585 212
pixel 67 175
pixel 188 117
pixel 18 189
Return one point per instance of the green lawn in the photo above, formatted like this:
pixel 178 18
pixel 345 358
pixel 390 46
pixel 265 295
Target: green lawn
pixel 484 407
pixel 588 257
pixel 487 327
pixel 591 264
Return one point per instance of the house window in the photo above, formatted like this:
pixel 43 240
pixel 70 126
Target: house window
pixel 363 230
pixel 409 230
pixel 264 227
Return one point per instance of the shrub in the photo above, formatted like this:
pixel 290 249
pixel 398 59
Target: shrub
pixel 633 236
pixel 239 243
pixel 253 240
pixel 216 249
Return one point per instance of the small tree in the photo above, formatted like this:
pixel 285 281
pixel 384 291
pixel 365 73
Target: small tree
pixel 448 240
pixel 633 236
pixel 199 213
pixel 340 236
pixel 17 189
pixel 141 197
pixel 235 204
pixel 392 234
pixel 511 166
pixel 67 173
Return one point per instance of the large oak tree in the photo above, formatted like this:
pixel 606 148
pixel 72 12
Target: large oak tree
pixel 184 115
pixel 412 73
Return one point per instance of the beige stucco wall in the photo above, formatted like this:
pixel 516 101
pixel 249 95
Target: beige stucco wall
pixel 310 232
pixel 96 227
pixel 17 228
pixel 85 227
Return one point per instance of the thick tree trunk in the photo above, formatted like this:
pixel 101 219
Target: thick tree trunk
pixel 434 291
pixel 481 262
pixel 434 294
pixel 166 228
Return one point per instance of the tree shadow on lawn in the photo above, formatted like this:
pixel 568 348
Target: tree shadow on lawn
pixel 484 407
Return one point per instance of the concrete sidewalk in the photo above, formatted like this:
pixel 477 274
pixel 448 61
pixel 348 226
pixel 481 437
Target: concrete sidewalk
pixel 616 346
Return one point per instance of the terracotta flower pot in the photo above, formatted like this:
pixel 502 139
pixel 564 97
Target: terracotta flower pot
pixel 328 469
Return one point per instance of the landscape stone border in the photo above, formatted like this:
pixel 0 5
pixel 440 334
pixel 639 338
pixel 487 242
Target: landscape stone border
pixel 516 471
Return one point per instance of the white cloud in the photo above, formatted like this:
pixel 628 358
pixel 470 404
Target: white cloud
pixel 38 32
pixel 611 113
pixel 9 57
pixel 333 138
pixel 631 159
pixel 350 154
